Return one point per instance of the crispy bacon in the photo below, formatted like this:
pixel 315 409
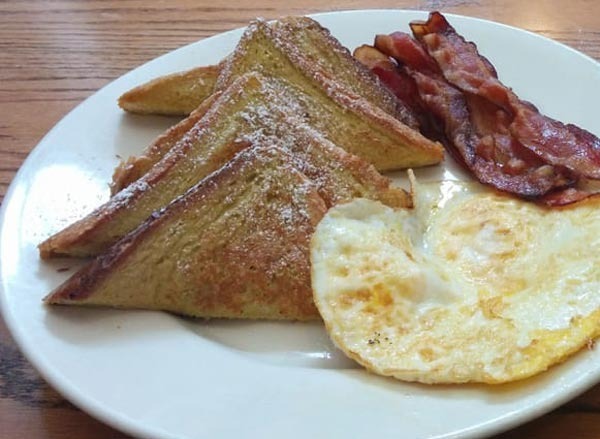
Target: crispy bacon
pixel 462 65
pixel 560 144
pixel 403 48
pixel 504 141
pixel 484 145
pixel 468 70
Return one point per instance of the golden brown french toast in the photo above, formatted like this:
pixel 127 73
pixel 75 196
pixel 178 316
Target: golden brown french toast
pixel 347 119
pixel 206 147
pixel 177 94
pixel 251 108
pixel 283 50
pixel 235 245
pixel 304 54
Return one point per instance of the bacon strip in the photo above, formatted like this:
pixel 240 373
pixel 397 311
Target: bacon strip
pixel 503 141
pixel 477 134
pixel 560 144
pixel 462 66
pixel 457 59
pixel 402 47
pixel 484 145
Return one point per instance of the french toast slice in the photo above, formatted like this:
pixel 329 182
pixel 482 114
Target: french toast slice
pixel 177 94
pixel 235 245
pixel 347 119
pixel 206 147
pixel 250 110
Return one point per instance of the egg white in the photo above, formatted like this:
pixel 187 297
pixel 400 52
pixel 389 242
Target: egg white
pixel 468 286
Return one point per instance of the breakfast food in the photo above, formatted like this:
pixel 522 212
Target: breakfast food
pixel 340 97
pixel 502 140
pixel 250 104
pixel 455 284
pixel 300 42
pixel 350 109
pixel 206 147
pixel 236 244
pixel 177 94
pixel 469 286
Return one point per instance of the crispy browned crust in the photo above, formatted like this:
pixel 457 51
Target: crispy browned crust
pixel 424 151
pixel 135 167
pixel 177 94
pixel 304 37
pixel 260 270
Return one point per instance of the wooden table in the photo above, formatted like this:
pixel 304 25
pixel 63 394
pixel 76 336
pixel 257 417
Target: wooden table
pixel 56 53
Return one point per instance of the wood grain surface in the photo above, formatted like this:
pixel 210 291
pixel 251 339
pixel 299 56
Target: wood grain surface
pixel 54 54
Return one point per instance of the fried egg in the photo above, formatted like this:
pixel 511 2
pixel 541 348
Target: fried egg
pixel 468 286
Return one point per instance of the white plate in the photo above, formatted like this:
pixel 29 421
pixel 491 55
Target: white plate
pixel 158 376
